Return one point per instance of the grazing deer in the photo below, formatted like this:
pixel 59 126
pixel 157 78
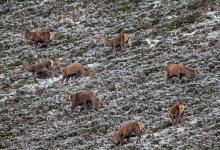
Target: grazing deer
pixel 84 98
pixel 115 41
pixel 38 37
pixel 45 66
pixel 179 70
pixel 128 129
pixel 72 70
pixel 176 112
pixel 76 70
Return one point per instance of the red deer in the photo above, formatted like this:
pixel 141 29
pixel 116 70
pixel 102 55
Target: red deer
pixel 38 37
pixel 75 70
pixel 86 99
pixel 128 129
pixel 114 41
pixel 176 112
pixel 45 66
pixel 179 70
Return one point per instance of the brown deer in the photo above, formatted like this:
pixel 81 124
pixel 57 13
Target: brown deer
pixel 76 70
pixel 84 98
pixel 45 66
pixel 72 70
pixel 38 37
pixel 115 41
pixel 176 112
pixel 180 70
pixel 128 129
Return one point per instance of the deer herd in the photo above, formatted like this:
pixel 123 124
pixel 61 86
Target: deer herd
pixel 87 99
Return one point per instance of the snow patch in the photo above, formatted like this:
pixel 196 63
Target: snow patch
pixel 95 65
pixel 43 83
pixel 152 43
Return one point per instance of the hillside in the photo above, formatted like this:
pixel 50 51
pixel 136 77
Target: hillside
pixel 131 82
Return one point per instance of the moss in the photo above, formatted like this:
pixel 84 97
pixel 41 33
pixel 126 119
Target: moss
pixel 166 146
pixel 69 1
pixel 217 126
pixel 90 146
pixel 142 16
pixel 199 124
pixel 96 128
pixel 192 6
pixel 126 8
pixel 217 134
pixel 120 30
pixel 184 29
pixel 161 126
pixel 149 70
pixel 132 147
pixel 156 21
pixel 184 20
pixel 218 120
pixel 3 1
pixel 74 41
pixel 155 142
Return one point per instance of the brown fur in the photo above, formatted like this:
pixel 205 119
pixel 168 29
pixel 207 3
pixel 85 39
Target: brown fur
pixel 44 66
pixel 176 112
pixel 180 70
pixel 72 70
pixel 127 130
pixel 84 98
pixel 38 37
pixel 121 40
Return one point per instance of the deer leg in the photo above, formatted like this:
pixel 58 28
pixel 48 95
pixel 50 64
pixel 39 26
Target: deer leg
pixel 181 78
pixel 138 133
pixel 178 76
pixel 180 117
pixel 78 74
pixel 85 107
pixel 121 44
pixel 73 107
pixel 35 45
pixel 35 77
pixel 122 141
pixel 47 71
pixel 63 79
pixel 138 139
pixel 52 69
pixel 128 139
pixel 53 73
pixel 67 79
pixel 168 78
pixel 114 45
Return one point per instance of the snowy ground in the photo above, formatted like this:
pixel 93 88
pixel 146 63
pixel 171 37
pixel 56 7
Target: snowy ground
pixel 131 82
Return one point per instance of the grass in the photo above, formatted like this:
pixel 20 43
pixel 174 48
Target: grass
pixel 149 70
pixel 199 124
pixel 163 125
pixel 192 6
pixel 91 128
pixel 184 20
